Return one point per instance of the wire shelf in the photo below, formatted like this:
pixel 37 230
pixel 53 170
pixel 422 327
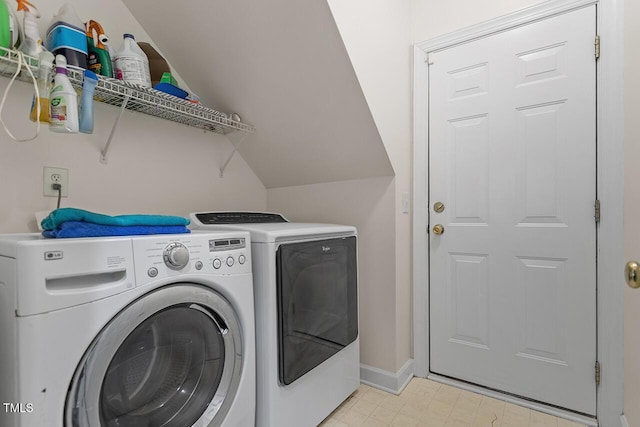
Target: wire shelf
pixel 144 100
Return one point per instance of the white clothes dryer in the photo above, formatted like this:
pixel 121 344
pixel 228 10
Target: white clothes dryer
pixel 305 286
pixel 127 331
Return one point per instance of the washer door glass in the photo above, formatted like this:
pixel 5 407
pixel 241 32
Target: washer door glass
pixel 166 372
pixel 171 358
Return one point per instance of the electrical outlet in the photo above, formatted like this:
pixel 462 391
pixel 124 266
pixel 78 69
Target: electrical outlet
pixel 52 176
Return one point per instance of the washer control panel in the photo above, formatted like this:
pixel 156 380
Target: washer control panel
pixel 168 256
pixel 223 252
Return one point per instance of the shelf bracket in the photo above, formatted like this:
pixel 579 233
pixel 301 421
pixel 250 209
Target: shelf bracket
pixel 236 145
pixel 103 153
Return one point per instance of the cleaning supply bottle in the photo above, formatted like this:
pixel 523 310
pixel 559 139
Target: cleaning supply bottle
pixel 99 59
pixel 66 36
pixel 112 54
pixel 5 26
pixel 45 67
pixel 63 101
pixel 86 101
pixel 132 64
pixel 31 41
pixel 14 28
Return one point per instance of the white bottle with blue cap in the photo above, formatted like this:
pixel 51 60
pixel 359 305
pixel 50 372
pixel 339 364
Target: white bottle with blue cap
pixel 132 64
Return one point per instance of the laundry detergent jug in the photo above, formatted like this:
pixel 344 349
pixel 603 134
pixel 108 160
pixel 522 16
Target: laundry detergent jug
pixel 66 36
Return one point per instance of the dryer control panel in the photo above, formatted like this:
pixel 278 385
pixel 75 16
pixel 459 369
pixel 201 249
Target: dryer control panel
pixel 169 256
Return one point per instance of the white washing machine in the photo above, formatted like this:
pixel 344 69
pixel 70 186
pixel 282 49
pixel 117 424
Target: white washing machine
pixel 127 331
pixel 305 285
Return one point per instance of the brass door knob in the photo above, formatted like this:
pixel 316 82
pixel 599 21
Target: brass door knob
pixel 632 274
pixel 438 229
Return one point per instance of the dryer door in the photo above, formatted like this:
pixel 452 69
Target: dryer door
pixel 171 358
pixel 317 292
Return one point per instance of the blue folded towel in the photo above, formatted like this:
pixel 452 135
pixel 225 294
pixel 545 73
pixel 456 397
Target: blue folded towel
pixel 62 215
pixel 87 229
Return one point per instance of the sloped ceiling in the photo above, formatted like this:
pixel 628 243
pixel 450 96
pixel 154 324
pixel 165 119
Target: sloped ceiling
pixel 282 66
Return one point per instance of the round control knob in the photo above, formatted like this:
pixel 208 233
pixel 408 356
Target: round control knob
pixel 217 263
pixel 176 256
pixel 242 259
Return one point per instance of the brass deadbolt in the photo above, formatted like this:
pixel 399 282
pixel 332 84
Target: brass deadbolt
pixel 438 207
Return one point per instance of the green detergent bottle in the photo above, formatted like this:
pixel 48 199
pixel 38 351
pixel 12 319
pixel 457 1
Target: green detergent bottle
pixel 5 27
pixel 99 60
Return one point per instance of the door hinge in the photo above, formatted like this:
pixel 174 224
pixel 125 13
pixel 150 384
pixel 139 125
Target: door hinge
pixel 597 47
pixel 429 59
pixel 597 211
pixel 598 373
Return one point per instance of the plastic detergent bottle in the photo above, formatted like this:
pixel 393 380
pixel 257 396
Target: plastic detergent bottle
pixel 132 64
pixel 5 26
pixel 14 29
pixel 86 101
pixel 31 41
pixel 44 78
pixel 63 101
pixel 99 59
pixel 112 54
pixel 66 36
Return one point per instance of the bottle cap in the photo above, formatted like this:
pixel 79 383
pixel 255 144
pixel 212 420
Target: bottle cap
pixel 61 61
pixel 45 58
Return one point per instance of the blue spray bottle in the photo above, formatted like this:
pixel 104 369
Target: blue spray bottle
pixel 86 101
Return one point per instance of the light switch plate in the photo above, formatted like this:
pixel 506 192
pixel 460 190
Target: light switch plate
pixel 405 202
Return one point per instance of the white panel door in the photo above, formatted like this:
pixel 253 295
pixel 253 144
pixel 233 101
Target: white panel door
pixel 512 156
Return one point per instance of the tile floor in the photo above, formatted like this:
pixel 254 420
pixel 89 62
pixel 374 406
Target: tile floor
pixel 426 403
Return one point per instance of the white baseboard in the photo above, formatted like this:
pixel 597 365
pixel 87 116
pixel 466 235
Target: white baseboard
pixel 385 380
pixel 623 421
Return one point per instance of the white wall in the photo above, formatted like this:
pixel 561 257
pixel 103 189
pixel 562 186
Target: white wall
pixel 377 37
pixel 631 212
pixel 282 66
pixel 432 18
pixel 154 166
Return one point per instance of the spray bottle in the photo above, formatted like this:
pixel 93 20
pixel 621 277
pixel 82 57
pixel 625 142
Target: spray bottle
pixel 63 101
pixel 99 58
pixel 86 101
pixel 31 41
pixel 112 53
pixel 45 66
